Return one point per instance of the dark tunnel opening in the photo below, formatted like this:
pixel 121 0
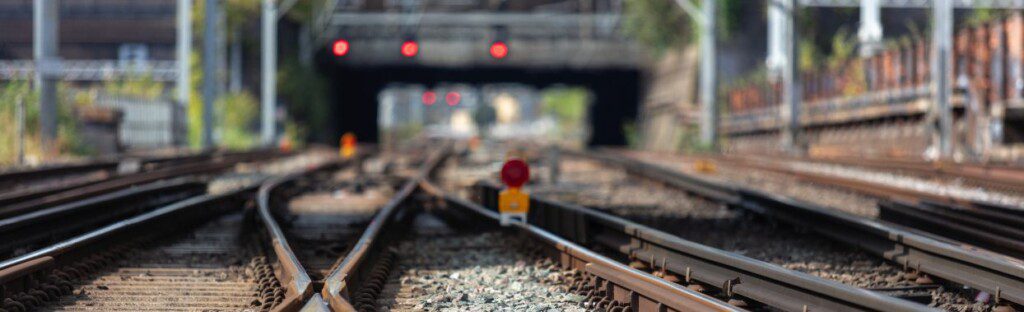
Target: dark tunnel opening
pixel 354 92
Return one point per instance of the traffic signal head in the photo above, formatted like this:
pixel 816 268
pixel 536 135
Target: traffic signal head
pixel 499 50
pixel 340 47
pixel 410 48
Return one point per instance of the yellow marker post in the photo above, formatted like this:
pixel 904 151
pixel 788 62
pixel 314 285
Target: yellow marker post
pixel 348 145
pixel 513 202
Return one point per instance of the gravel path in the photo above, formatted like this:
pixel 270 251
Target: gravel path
pixel 441 270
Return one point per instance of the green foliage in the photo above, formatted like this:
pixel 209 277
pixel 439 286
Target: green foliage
pixel 632 134
pixel 237 114
pixel 142 86
pixel 67 136
pixel 662 24
pixel 306 93
pixel 304 11
pixel 568 106
pixel 982 16
pixel 195 103
pixel 657 24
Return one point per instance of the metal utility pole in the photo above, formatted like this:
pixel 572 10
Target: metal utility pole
pixel 269 75
pixel 708 79
pixel 870 33
pixel 942 62
pixel 210 74
pixel 776 40
pixel 791 104
pixel 45 44
pixel 184 55
pixel 705 16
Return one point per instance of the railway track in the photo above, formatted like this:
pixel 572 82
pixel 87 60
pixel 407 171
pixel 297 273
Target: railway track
pixel 991 225
pixel 26 200
pixel 996 276
pixel 207 252
pixel 379 275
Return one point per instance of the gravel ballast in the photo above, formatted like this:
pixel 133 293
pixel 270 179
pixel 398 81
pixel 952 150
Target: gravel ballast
pixel 442 270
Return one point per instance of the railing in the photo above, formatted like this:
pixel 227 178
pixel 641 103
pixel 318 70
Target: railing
pixel 988 68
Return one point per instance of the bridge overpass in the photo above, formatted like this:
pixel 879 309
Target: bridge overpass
pixel 549 42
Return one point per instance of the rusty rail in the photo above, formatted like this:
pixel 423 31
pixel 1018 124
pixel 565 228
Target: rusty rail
pixel 346 278
pixel 992 226
pixel 297 282
pixel 20 203
pixel 37 275
pixel 57 223
pixel 738 277
pixel 989 272
pixel 634 289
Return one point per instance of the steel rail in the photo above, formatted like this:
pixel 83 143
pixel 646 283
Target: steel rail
pixel 639 290
pixel 297 282
pixel 346 276
pixel 992 226
pixel 12 206
pixel 38 274
pixel 28 273
pixel 736 275
pixel 146 165
pixel 996 274
pixel 58 222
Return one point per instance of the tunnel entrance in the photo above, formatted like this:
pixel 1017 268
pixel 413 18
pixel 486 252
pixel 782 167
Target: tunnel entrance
pixel 354 94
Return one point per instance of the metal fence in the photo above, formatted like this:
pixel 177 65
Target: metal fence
pixel 147 123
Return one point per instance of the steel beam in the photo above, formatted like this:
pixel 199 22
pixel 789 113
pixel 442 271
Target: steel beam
pixel 269 75
pixel 791 104
pixel 45 44
pixel 776 39
pixel 474 19
pixel 184 55
pixel 210 69
pixel 870 32
pixel 942 63
pixel 708 79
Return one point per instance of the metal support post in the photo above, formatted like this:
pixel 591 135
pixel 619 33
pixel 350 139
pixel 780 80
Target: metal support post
pixel 870 33
pixel 791 81
pixel 210 75
pixel 184 55
pixel 776 39
pixel 708 80
pixel 942 38
pixel 45 44
pixel 235 63
pixel 269 75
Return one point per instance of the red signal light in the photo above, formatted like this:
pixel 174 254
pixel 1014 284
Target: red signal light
pixel 453 98
pixel 515 172
pixel 429 98
pixel 499 50
pixel 410 48
pixel 340 47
